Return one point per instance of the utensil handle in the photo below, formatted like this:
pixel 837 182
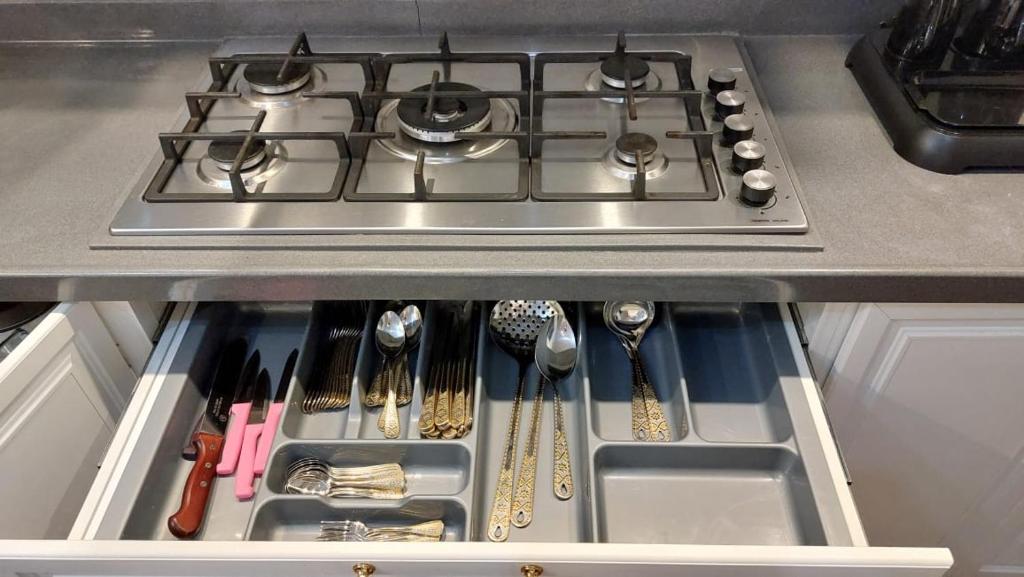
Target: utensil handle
pixel 267 437
pixel 656 423
pixel 389 420
pixel 238 416
pixel 641 427
pixel 246 463
pixel 522 504
pixel 561 477
pixel 499 525
pixel 188 519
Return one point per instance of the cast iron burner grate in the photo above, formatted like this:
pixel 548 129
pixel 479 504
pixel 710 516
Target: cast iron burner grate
pixel 624 63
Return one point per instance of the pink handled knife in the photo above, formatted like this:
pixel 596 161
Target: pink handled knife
pixel 274 414
pixel 253 431
pixel 239 416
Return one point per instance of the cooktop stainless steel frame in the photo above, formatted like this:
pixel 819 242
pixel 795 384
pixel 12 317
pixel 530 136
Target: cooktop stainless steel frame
pixel 725 215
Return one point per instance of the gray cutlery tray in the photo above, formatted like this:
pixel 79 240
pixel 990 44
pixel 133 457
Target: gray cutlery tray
pixel 734 472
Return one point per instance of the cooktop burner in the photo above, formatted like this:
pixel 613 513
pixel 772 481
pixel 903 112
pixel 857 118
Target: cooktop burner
pixel 618 67
pixel 223 153
pixel 439 119
pixel 270 78
pixel 509 136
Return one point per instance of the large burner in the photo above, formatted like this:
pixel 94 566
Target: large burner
pixel 263 77
pixel 449 115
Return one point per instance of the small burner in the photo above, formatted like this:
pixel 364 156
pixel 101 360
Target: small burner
pixel 450 115
pixel 613 70
pixel 627 145
pixel 262 77
pixel 223 154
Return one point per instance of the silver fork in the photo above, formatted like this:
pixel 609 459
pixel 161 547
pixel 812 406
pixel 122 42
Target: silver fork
pixel 348 530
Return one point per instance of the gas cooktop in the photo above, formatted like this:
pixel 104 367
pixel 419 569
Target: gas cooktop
pixel 332 135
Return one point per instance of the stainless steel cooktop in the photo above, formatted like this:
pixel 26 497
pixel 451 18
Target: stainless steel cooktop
pixel 327 135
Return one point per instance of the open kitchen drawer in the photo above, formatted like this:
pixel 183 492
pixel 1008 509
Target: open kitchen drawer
pixel 750 484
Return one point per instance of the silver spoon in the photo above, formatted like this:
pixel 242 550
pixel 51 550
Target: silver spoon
pixel 412 323
pixel 514 326
pixel 555 356
pixel 629 320
pixel 390 342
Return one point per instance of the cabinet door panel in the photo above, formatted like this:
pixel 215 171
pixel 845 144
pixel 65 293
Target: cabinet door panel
pixel 927 403
pixel 60 398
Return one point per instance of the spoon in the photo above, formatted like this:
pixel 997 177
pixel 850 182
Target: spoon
pixel 390 342
pixel 412 324
pixel 555 356
pixel 629 320
pixel 514 326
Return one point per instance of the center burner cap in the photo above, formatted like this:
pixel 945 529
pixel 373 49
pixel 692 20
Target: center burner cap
pixel 613 70
pixel 627 146
pixel 262 77
pixel 450 115
pixel 223 153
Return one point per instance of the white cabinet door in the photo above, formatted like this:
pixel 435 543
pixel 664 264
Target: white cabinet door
pixel 927 402
pixel 61 392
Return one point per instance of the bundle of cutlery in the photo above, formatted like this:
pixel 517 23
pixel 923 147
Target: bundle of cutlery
pixel 530 331
pixel 330 385
pixel 311 476
pixel 346 530
pixel 629 321
pixel 448 392
pixel 396 335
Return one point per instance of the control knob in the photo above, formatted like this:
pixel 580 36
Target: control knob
pixel 720 79
pixel 729 102
pixel 747 155
pixel 736 128
pixel 758 187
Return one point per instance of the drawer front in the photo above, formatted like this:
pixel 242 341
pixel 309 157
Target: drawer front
pixel 119 531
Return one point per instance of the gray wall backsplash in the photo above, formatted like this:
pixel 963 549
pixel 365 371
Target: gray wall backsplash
pixel 25 20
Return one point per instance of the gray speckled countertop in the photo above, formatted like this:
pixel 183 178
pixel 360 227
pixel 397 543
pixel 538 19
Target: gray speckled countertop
pixel 79 124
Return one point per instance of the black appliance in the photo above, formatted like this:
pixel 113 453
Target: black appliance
pixel 946 79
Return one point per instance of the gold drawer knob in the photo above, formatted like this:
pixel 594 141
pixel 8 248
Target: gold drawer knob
pixel 365 569
pixel 531 570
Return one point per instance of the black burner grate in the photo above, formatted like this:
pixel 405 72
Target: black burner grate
pixel 353 147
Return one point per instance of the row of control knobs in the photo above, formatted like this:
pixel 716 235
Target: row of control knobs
pixel 758 186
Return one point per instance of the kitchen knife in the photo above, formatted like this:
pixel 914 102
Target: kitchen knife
pixel 239 415
pixel 208 439
pixel 253 430
pixel 274 414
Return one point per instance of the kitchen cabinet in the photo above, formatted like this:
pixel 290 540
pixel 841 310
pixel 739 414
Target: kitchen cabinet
pixel 62 391
pixel 735 373
pixel 927 403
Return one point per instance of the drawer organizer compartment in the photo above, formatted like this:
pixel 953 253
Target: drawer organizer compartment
pixel 743 464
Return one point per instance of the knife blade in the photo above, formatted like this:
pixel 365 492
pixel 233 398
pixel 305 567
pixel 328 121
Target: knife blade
pixel 208 440
pixel 239 412
pixel 274 414
pixel 225 378
pixel 253 430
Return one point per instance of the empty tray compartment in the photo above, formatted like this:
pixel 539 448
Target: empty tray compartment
pixel 294 518
pixel 431 467
pixel 704 495
pixel 611 382
pixel 732 374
